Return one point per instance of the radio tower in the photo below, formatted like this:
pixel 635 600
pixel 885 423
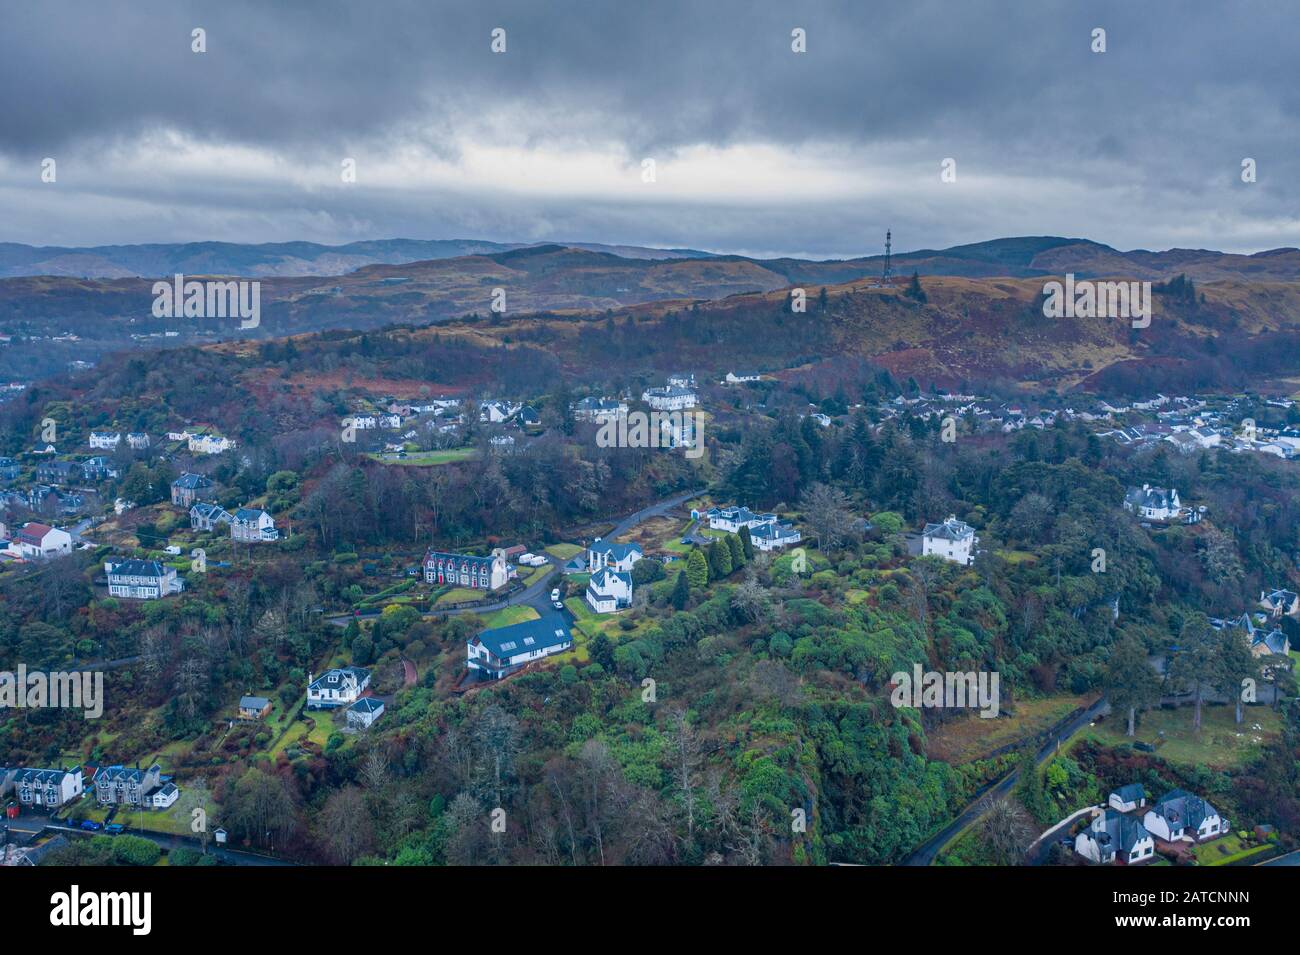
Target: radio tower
pixel 889 271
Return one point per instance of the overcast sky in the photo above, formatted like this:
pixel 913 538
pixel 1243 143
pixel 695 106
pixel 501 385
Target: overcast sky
pixel 757 149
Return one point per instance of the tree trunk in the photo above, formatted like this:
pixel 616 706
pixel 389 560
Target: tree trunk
pixel 1132 719
pixel 1239 708
pixel 1196 718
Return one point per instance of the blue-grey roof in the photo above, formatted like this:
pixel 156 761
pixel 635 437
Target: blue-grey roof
pixel 252 702
pixel 134 567
pixel 615 551
pixel 367 704
pixel 192 482
pixel 506 642
pixel 1133 792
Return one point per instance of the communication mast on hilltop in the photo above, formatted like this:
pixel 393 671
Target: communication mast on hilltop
pixel 889 271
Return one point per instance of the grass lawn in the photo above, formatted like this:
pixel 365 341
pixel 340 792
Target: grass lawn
pixel 966 740
pixel 325 727
pixel 1231 848
pixel 170 820
pixel 564 551
pixel 459 595
pixel 426 459
pixel 507 616
pixel 1221 744
pixel 1016 556
pixel 535 574
pixel 856 596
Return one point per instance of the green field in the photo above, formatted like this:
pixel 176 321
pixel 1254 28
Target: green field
pixel 1221 744
pixel 424 459
pixel 564 551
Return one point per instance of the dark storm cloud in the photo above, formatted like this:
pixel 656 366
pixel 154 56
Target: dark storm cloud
pixel 1153 130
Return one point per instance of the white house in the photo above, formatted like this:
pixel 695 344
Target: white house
pixel 338 687
pixel 498 653
pixel 606 555
pixel 494 412
pixel 1181 815
pixel 671 398
pixel 1153 503
pixel 164 796
pixel 774 535
pixel 209 444
pixel 952 540
pixel 609 591
pixel 106 440
pixel 1115 838
pixel 253 525
pixel 35 541
pixel 363 713
pixel 599 409
pixel 735 378
pixel 1128 798
pixel 732 519
pixel 141 579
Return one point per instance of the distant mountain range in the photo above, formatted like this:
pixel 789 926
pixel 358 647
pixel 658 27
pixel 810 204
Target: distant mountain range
pixel 268 259
pixel 1019 257
pixel 984 320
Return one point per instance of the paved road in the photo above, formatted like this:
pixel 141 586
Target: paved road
pixel 538 594
pixel 1291 858
pixel 168 842
pixel 925 854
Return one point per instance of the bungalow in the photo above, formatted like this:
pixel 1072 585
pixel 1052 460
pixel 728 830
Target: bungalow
pixel 462 570
pixel 1153 503
pixel 106 440
pixel 774 535
pixel 606 555
pixel 163 796
pixel 671 398
pixel 189 488
pixel 47 788
pixel 952 540
pixel 498 653
pixel 1280 603
pixel 1115 838
pixel 254 707
pixel 338 687
pixel 36 541
pixel 363 713
pixel 141 579
pixel 1128 798
pixel 609 591
pixel 206 516
pixel 1180 814
pixel 124 785
pixel 735 378
pixel 253 525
